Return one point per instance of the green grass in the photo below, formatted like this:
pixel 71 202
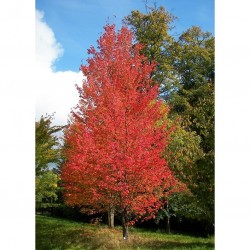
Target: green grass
pixel 57 234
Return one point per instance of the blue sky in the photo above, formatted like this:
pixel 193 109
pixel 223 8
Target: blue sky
pixel 77 24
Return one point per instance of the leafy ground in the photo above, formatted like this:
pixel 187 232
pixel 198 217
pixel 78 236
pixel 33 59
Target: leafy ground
pixel 54 233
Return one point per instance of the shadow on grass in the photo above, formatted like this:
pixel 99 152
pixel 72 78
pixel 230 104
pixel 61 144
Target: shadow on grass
pixel 157 245
pixel 59 235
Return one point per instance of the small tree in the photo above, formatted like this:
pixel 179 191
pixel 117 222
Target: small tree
pixel 47 144
pixel 47 152
pixel 116 137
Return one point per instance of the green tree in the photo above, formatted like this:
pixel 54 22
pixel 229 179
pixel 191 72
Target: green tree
pixel 153 31
pixel 47 144
pixel 196 107
pixel 182 152
pixel 194 102
pixel 179 205
pixel 194 58
pixel 46 189
pixel 48 151
pixel 185 71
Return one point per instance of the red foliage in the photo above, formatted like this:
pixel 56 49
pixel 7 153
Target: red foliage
pixel 117 134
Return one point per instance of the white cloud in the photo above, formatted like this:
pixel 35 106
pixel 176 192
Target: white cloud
pixel 48 49
pixel 55 91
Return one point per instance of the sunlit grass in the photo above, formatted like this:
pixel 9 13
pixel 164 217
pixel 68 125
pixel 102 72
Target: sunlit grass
pixel 53 233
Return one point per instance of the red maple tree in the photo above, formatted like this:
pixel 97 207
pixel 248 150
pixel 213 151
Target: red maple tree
pixel 117 135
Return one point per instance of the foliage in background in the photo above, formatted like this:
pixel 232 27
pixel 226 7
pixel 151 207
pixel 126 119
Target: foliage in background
pixel 153 31
pixel 46 189
pixel 47 152
pixel 47 144
pixel 185 71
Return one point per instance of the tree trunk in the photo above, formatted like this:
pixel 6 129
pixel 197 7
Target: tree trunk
pixel 111 217
pixel 125 231
pixel 168 224
pixel 124 226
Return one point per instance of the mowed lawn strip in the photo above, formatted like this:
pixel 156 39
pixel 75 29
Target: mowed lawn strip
pixel 55 233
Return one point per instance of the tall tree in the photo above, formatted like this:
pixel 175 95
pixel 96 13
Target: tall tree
pixel 185 69
pixel 194 102
pixel 116 137
pixel 153 31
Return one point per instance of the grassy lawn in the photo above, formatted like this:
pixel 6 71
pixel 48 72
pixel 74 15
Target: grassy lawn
pixel 54 233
